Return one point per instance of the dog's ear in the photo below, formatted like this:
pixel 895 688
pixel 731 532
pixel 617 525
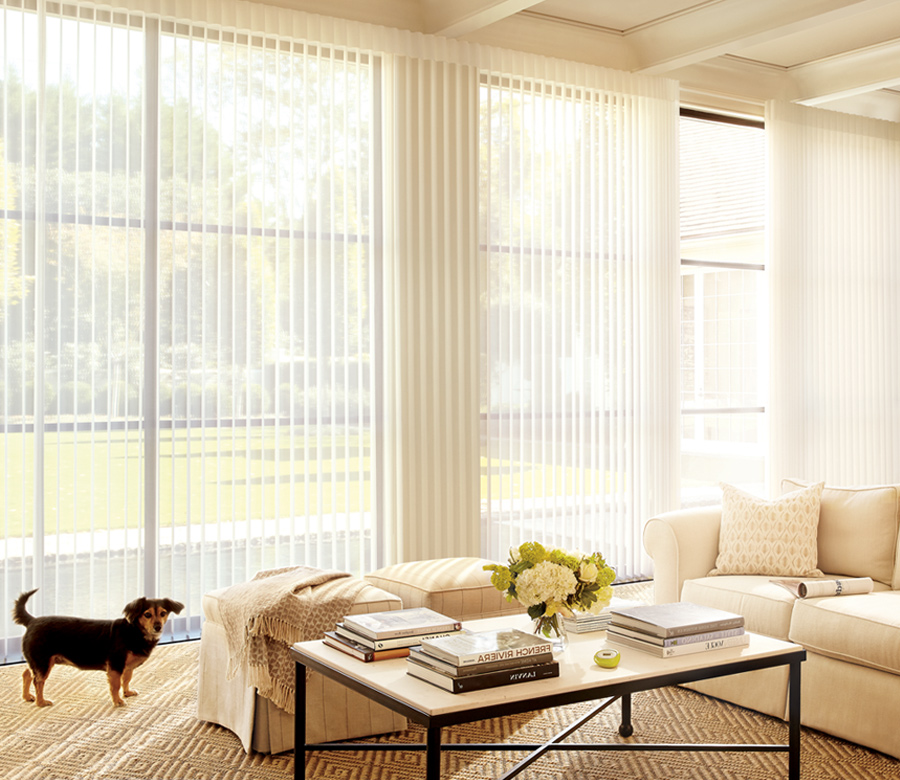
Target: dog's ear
pixel 172 606
pixel 135 609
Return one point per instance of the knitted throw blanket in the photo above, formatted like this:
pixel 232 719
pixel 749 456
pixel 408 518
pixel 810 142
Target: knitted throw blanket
pixel 266 615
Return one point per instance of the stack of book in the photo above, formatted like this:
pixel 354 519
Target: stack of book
pixel 676 629
pixel 585 622
pixel 484 659
pixel 376 636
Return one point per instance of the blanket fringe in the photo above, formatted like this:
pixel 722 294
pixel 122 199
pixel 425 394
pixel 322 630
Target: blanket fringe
pixel 282 631
pixel 278 693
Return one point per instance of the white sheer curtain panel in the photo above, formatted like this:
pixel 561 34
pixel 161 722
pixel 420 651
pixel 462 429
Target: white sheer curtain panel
pixel 265 299
pixel 579 338
pixel 431 311
pixel 278 288
pixel 835 273
pixel 186 307
pixel 71 289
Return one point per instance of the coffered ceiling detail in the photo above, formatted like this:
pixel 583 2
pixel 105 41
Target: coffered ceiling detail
pixel 727 54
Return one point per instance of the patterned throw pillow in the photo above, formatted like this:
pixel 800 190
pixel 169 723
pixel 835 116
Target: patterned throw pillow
pixel 775 538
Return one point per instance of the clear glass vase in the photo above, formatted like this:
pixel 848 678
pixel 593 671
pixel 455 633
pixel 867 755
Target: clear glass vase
pixel 552 628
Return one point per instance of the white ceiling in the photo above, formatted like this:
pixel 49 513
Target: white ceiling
pixel 727 54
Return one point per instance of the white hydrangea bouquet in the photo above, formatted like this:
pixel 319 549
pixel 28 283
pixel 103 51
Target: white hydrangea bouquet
pixel 553 582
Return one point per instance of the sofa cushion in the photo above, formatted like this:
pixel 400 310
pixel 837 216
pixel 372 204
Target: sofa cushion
pixel 863 630
pixel 858 529
pixel 457 587
pixel 776 538
pixel 766 607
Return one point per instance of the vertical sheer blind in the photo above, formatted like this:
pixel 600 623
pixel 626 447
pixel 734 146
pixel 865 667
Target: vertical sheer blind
pixel 579 402
pixel 265 202
pixel 187 267
pixel 71 305
pixel 431 302
pixel 253 266
pixel 834 274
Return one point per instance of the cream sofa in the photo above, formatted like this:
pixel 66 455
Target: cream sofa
pixel 851 678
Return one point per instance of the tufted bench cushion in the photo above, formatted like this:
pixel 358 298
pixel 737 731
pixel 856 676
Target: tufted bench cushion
pixel 457 587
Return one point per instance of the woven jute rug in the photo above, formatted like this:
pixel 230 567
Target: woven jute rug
pixel 157 736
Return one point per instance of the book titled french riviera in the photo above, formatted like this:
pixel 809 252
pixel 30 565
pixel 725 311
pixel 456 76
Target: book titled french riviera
pixel 479 682
pixel 388 644
pixel 361 652
pixel 400 622
pixel 675 619
pixel 419 656
pixel 740 640
pixel 479 647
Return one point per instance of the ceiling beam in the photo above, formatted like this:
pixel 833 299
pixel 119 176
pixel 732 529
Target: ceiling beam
pixel 725 27
pixel 551 37
pixel 461 17
pixel 881 104
pixel 847 75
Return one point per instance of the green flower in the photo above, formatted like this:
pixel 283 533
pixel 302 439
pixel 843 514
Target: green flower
pixel 552 581
pixel 531 553
pixel 563 559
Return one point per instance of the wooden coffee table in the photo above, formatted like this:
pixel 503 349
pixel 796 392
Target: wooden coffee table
pixel 387 683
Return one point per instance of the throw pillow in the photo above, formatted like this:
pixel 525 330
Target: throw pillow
pixel 858 529
pixel 775 538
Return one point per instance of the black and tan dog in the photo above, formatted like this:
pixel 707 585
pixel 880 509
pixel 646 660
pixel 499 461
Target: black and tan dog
pixel 117 647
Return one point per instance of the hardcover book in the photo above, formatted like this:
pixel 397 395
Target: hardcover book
pixel 480 647
pixel 585 622
pixel 363 653
pixel 685 639
pixel 665 652
pixel 675 619
pixel 479 682
pixel 389 644
pixel 401 622
pixel 419 656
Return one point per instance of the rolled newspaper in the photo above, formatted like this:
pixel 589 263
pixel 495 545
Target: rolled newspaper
pixel 806 589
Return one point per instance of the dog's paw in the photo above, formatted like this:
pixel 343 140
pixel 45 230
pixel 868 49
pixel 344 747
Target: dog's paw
pixel 45 703
pixel 29 697
pixel 118 702
pixel 130 692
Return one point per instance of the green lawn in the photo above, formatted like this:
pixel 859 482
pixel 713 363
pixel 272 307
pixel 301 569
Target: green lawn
pixel 211 475
pixel 226 474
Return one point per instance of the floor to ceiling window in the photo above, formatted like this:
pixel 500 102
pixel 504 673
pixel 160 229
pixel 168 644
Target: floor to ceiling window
pixel 187 269
pixel 253 284
pixel 578 402
pixel 723 317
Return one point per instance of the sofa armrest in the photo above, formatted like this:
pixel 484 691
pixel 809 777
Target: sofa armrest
pixel 683 545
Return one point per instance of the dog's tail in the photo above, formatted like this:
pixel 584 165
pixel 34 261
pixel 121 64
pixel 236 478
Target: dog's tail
pixel 20 614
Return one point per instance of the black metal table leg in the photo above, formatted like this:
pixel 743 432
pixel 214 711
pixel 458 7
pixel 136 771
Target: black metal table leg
pixel 300 722
pixel 794 722
pixel 626 729
pixel 433 753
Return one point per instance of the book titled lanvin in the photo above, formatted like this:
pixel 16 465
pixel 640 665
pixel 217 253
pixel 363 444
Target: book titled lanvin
pixel 482 647
pixel 479 682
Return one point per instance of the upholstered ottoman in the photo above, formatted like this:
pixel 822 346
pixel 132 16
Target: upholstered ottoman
pixel 334 712
pixel 457 587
